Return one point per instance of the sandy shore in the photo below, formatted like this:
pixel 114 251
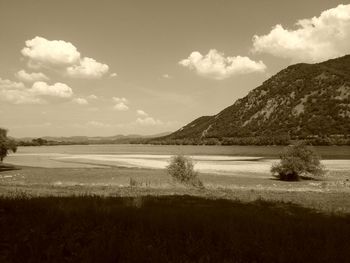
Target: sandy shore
pixel 225 165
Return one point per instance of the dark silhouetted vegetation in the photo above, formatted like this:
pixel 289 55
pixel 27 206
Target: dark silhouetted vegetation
pixel 296 161
pixel 167 229
pixel 6 145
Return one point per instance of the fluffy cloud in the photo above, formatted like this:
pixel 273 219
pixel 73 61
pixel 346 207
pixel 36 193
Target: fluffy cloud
pixel 6 84
pixel 63 56
pixel 120 104
pixel 148 121
pixel 80 101
pixel 141 113
pixel 31 77
pixel 88 68
pixel 16 93
pixel 60 90
pixel 117 100
pixel 43 52
pixel 20 97
pixel 314 39
pixel 215 65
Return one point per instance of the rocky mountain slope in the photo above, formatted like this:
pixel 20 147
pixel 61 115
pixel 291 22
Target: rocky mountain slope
pixel 303 100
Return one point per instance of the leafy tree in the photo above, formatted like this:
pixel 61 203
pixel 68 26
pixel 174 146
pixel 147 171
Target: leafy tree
pixel 181 169
pixel 6 145
pixel 296 161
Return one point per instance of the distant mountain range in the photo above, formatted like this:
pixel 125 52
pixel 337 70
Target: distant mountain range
pixel 88 140
pixel 301 101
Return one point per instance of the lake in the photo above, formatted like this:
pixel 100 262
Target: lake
pixel 208 159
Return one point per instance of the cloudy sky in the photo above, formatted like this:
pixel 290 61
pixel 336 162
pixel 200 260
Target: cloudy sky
pixel 143 67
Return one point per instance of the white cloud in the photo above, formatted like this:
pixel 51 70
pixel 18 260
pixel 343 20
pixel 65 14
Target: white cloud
pixel 80 101
pixel 87 68
pixel 60 90
pixel 20 97
pixel 43 52
pixel 31 77
pixel 92 97
pixel 117 100
pixel 113 75
pixel 148 121
pixel 141 113
pixel 121 104
pixel 314 39
pixel 9 84
pixel 62 56
pixel 16 93
pixel 215 65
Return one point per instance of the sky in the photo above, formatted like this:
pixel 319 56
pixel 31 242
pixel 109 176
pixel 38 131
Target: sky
pixel 101 68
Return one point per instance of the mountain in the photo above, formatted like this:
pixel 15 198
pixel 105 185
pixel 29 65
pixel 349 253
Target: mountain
pixel 301 101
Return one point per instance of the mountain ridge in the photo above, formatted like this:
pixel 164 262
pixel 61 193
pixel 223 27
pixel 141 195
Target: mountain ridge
pixel 301 101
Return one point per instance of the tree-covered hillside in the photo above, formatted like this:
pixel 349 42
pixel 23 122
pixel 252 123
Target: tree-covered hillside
pixel 301 101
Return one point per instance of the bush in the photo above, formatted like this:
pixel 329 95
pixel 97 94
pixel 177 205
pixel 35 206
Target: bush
pixel 297 161
pixel 181 169
pixel 6 145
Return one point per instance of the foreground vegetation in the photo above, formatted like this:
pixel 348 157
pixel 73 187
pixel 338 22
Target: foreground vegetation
pixel 298 161
pixel 167 229
pixel 181 169
pixel 6 145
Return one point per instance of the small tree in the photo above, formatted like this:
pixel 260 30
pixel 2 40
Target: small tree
pixel 181 169
pixel 296 161
pixel 6 145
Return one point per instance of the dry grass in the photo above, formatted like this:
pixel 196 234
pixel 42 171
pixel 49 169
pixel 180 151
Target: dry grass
pixel 167 229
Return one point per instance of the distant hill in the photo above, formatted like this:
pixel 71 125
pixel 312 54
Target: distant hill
pixel 301 101
pixel 51 140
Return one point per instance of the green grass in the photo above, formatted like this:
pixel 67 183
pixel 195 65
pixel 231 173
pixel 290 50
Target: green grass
pixel 167 229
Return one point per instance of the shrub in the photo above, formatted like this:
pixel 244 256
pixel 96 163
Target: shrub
pixel 6 145
pixel 181 169
pixel 296 161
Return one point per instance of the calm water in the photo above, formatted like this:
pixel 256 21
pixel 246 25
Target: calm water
pixel 328 152
pixel 214 159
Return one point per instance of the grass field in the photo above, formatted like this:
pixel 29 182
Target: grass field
pixel 95 215
pixel 167 229
pixel 330 194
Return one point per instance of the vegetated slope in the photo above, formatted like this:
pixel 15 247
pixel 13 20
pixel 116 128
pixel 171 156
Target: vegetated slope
pixel 303 100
